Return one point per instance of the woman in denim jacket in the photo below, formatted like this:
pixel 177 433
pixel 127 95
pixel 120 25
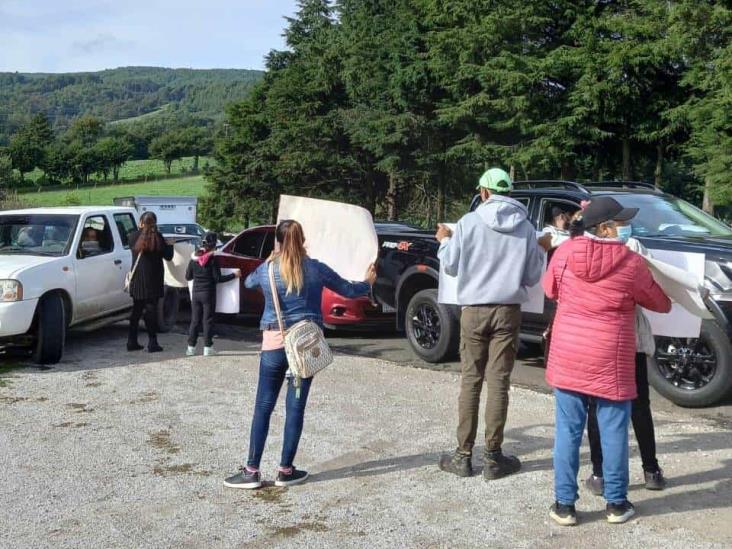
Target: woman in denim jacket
pixel 300 281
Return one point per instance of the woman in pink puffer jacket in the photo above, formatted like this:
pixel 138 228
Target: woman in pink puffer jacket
pixel 597 282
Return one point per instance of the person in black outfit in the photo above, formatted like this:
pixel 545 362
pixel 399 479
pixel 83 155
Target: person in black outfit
pixel 146 287
pixel 205 273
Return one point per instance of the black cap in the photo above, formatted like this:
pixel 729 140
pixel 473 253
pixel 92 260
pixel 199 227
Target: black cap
pixel 210 239
pixel 606 208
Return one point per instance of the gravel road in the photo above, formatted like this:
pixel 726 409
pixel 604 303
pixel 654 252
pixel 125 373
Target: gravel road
pixel 111 449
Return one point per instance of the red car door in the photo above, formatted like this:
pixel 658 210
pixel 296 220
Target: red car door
pixel 246 252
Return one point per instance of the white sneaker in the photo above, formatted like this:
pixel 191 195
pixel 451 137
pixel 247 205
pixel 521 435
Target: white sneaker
pixel 190 351
pixel 208 351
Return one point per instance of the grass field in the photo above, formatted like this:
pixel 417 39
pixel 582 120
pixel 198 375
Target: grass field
pixel 138 169
pixel 184 186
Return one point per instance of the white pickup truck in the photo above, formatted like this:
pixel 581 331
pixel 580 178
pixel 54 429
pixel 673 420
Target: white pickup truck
pixel 61 267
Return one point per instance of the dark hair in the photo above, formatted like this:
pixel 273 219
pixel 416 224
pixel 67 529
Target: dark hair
pixel 149 238
pixel 577 227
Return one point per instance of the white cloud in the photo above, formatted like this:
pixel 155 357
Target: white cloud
pixel 82 35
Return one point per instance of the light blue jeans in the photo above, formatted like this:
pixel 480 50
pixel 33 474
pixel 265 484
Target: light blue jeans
pixel 571 416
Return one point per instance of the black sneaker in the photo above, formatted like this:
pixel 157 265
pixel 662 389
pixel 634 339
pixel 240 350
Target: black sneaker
pixel 655 480
pixel 457 463
pixel 595 484
pixel 244 479
pixel 292 478
pixel 499 465
pixel 564 515
pixel 154 348
pixel 134 346
pixel 618 513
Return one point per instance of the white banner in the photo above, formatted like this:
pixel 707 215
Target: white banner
pixel 679 274
pixel 340 235
pixel 447 288
pixel 227 294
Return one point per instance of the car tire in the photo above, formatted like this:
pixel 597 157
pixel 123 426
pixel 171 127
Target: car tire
pixel 433 329
pixel 713 340
pixel 168 308
pixel 50 330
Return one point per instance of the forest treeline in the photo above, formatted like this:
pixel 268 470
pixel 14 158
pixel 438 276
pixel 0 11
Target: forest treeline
pixel 70 126
pixel 118 95
pixel 398 105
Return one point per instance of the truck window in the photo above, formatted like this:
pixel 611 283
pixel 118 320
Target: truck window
pixel 553 209
pixel 96 237
pixel 249 244
pixel 125 225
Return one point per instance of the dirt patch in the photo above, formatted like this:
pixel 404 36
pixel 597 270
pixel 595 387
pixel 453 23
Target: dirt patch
pixel 270 494
pixel 12 399
pixel 71 424
pixel 150 396
pixel 161 441
pixel 291 531
pixel 79 407
pixel 182 469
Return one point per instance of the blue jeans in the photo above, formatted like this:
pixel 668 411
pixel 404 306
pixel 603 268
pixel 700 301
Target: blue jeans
pixel 272 370
pixel 612 418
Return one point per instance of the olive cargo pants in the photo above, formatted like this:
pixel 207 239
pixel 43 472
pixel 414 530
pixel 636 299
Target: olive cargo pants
pixel 488 343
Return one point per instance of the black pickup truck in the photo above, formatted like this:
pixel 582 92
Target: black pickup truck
pixel 690 372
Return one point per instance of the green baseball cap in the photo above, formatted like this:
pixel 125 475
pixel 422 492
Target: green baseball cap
pixel 496 180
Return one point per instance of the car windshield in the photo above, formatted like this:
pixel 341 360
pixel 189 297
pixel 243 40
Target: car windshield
pixel 36 234
pixel 190 229
pixel 669 216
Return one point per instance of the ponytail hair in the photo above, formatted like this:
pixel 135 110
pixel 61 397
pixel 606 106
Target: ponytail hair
pixel 149 239
pixel 291 254
pixel 577 227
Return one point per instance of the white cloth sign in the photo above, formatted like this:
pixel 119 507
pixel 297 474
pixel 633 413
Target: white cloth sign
pixel 175 270
pixel 340 235
pixel 679 274
pixel 227 294
pixel 447 288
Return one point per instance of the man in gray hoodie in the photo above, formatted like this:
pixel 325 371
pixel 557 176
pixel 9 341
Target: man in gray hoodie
pixel 496 257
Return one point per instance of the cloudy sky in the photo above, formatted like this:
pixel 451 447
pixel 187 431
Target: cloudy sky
pixel 89 35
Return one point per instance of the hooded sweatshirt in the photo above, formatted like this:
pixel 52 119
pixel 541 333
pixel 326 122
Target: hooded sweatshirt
pixel 598 283
pixel 494 254
pixel 205 273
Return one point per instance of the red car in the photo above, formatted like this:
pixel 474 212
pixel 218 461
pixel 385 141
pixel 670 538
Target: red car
pixel 249 249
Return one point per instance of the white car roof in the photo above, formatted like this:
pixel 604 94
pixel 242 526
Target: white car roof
pixel 68 210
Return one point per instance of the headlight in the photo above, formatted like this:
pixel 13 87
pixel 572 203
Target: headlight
pixel 717 277
pixel 12 290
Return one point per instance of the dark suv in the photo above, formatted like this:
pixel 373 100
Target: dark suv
pixel 689 372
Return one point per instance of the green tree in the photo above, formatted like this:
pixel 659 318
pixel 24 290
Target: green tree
pixel 86 130
pixel 168 148
pixel 113 152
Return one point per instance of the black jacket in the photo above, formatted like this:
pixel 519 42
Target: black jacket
pixel 147 282
pixel 205 278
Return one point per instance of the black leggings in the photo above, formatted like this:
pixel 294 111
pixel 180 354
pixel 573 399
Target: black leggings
pixel 642 423
pixel 150 308
pixel 203 307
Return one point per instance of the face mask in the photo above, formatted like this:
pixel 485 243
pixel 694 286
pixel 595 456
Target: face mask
pixel 625 232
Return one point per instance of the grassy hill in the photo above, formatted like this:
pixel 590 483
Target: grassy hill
pixel 103 195
pixel 120 94
pixel 136 170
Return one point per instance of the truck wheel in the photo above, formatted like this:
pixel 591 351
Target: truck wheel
pixel 168 309
pixel 693 372
pixel 432 328
pixel 50 330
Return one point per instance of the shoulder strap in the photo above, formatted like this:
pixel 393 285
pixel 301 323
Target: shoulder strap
pixel 276 297
pixel 137 262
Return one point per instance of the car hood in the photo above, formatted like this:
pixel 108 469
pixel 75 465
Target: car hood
pixel 716 246
pixel 12 264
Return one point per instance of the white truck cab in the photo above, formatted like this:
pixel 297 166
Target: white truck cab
pixel 61 267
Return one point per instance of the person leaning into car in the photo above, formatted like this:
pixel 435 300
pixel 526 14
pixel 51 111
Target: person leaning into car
pixel 495 255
